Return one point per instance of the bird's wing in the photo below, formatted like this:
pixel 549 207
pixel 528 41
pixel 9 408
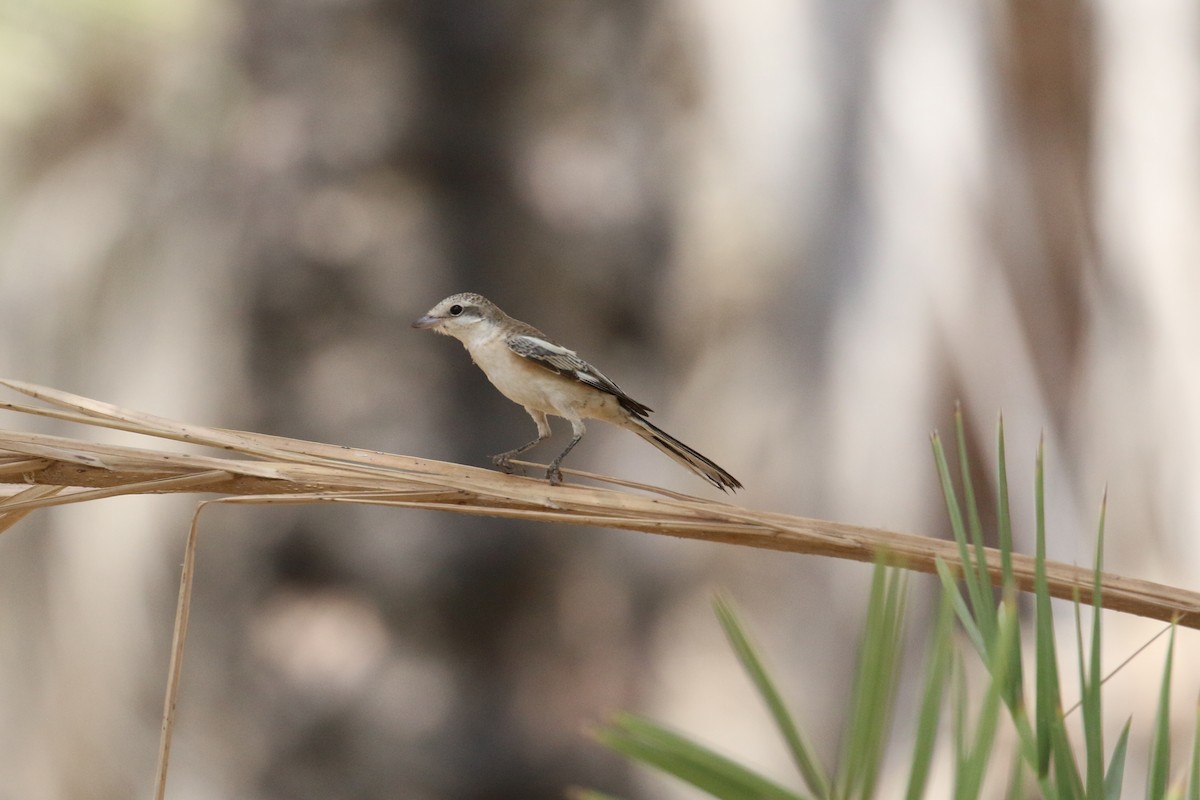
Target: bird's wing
pixel 565 362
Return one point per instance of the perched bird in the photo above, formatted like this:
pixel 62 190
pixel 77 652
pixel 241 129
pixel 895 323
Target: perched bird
pixel 547 378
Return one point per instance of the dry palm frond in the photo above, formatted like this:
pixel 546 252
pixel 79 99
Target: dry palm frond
pixel 293 471
pixel 272 469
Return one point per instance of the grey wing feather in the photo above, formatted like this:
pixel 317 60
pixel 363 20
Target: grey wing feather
pixel 565 362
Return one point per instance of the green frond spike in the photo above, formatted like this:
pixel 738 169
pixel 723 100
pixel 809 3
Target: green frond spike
pixel 802 753
pixel 1193 792
pixel 1160 747
pixel 1116 765
pixel 1047 712
pixel 938 663
pixel 875 680
pixel 972 769
pixel 1090 679
pixel 958 706
pixel 1067 779
pixel 1003 515
pixel 1008 585
pixel 656 746
pixel 986 609
pixel 961 611
pixel 978 594
pixel 1016 777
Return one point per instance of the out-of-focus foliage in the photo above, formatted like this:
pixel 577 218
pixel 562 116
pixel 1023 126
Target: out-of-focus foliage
pixel 1043 747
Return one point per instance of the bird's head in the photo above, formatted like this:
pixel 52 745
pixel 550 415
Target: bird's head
pixel 459 315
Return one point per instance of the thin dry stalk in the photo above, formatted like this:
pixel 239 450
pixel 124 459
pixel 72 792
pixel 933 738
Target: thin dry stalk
pixel 183 611
pixel 272 469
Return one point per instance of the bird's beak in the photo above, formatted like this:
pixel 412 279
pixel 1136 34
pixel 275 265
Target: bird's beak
pixel 426 322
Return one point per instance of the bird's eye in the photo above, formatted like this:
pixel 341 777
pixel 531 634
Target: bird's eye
pixel 455 310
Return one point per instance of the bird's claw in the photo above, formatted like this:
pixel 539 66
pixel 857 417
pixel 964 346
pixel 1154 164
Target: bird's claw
pixel 504 462
pixel 554 476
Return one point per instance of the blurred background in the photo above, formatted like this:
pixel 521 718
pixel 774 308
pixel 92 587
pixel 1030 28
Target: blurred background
pixel 799 229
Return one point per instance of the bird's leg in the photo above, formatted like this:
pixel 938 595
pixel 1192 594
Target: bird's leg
pixel 504 460
pixel 554 474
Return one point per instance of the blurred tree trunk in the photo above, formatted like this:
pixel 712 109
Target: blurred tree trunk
pixel 1046 237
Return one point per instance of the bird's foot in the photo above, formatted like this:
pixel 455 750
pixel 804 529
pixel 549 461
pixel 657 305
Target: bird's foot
pixel 554 475
pixel 504 462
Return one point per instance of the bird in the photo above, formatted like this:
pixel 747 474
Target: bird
pixel 546 378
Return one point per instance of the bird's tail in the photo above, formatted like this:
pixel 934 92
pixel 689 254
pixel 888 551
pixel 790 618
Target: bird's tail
pixel 701 465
